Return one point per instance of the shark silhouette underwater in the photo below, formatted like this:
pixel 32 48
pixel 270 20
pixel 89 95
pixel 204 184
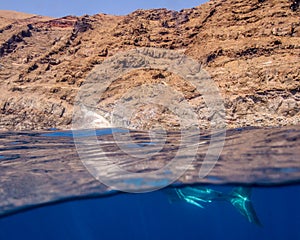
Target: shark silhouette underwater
pixel 239 197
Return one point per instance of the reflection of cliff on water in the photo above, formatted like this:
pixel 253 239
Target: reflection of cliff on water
pixel 42 167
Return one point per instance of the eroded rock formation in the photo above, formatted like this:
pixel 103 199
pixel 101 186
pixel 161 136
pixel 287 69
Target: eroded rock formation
pixel 251 49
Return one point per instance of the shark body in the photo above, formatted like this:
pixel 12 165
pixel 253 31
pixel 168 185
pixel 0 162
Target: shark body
pixel 239 197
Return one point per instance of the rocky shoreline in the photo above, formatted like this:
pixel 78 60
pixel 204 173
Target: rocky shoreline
pixel 251 50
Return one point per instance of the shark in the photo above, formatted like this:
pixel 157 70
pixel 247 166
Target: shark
pixel 239 197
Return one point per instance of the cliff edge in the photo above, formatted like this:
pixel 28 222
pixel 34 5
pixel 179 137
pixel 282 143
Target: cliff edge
pixel 251 49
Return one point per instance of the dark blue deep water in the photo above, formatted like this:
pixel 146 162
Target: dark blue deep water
pixel 141 216
pixel 151 216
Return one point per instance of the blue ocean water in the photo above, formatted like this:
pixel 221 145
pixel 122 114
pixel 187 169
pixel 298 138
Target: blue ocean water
pixel 152 216
pixel 135 216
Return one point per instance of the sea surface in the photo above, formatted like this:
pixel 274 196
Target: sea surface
pixel 48 192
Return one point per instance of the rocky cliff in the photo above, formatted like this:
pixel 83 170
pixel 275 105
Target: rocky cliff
pixel 251 49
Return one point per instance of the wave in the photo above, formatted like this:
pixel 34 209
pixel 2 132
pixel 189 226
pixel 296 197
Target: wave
pixel 38 168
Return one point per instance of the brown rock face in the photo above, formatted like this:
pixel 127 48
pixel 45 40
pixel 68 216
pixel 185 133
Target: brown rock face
pixel 251 49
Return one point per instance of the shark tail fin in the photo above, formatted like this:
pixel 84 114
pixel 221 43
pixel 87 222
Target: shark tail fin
pixel 240 199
